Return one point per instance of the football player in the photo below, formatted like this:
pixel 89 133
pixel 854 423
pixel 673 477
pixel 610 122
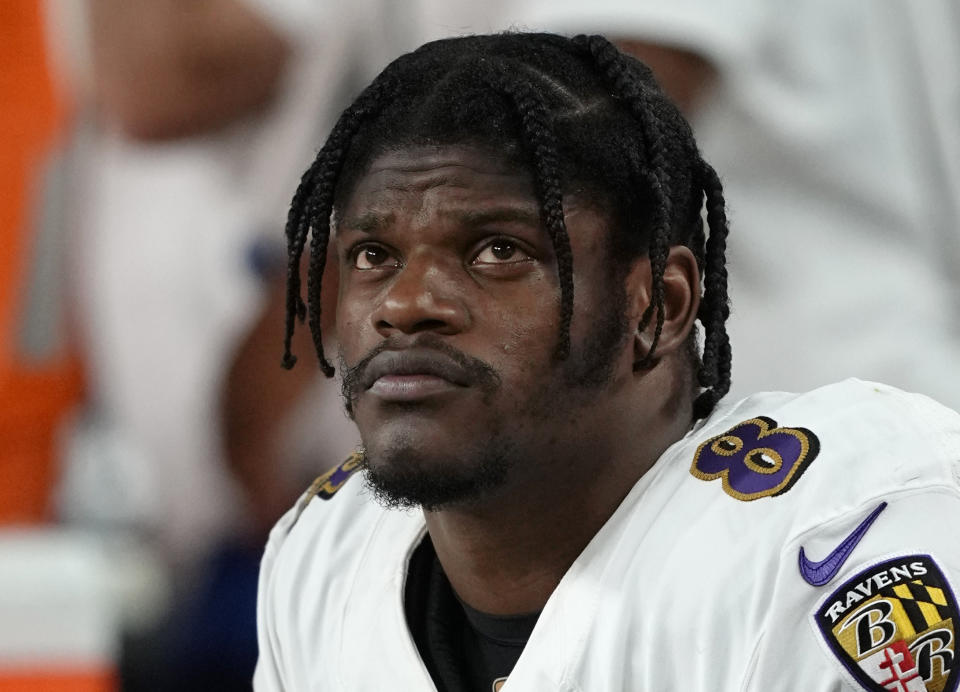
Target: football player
pixel 551 494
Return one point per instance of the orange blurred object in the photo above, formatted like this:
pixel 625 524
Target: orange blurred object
pixel 33 396
pixel 63 680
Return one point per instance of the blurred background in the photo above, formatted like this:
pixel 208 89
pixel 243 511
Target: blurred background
pixel 149 438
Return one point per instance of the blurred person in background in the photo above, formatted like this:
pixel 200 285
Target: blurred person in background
pixel 39 372
pixel 58 629
pixel 197 116
pixel 836 126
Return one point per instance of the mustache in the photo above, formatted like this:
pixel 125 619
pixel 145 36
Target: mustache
pixel 428 353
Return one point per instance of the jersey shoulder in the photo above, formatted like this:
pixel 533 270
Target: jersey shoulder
pixel 833 445
pixel 309 573
pixel 333 511
pixel 326 485
pixel 781 505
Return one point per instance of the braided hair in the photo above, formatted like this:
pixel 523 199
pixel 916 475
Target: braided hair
pixel 582 116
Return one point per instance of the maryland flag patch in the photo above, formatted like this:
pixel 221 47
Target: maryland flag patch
pixel 893 626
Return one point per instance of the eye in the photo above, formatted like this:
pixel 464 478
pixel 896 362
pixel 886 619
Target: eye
pixel 500 251
pixel 373 257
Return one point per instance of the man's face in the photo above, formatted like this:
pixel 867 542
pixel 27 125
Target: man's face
pixel 448 318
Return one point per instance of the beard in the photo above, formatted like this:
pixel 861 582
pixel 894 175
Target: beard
pixel 400 479
pixel 403 476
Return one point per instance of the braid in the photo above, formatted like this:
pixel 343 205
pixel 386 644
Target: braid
pixel 639 95
pixel 314 210
pixel 635 94
pixel 296 232
pixel 714 372
pixel 540 139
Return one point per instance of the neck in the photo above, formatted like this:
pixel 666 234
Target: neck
pixel 507 553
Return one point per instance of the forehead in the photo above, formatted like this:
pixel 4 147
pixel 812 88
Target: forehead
pixel 467 183
pixel 453 173
pixel 464 187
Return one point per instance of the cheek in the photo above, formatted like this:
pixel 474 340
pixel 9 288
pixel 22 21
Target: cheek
pixel 528 335
pixel 329 290
pixel 525 341
pixel 331 282
pixel 352 318
pixel 593 295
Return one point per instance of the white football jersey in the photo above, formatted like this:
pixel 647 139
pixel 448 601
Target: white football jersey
pixel 788 542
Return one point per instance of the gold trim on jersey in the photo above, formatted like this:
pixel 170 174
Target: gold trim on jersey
pixel 326 485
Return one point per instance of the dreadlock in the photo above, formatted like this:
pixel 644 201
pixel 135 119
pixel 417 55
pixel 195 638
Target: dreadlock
pixel 582 116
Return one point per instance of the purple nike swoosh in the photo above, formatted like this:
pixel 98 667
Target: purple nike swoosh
pixel 819 573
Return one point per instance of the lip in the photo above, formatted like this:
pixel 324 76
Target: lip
pixel 410 387
pixel 413 374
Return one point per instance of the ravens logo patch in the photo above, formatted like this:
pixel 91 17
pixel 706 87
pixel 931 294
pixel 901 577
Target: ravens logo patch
pixel 893 626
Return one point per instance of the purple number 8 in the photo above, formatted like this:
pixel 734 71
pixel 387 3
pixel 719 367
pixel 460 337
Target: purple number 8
pixel 755 458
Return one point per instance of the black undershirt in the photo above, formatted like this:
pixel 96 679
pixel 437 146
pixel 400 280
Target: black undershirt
pixel 464 650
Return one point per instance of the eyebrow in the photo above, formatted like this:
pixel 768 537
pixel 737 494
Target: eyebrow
pixel 367 223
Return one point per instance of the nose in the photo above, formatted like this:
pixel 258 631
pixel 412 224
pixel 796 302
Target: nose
pixel 424 296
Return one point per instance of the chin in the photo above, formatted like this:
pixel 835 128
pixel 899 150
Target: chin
pixel 404 475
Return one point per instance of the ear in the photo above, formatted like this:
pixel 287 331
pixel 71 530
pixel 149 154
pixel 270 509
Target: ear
pixel 681 300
